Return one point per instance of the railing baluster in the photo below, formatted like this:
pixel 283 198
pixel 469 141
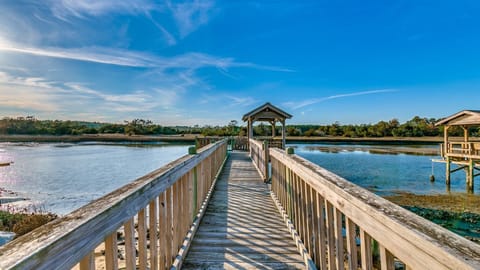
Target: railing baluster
pixel 130 251
pixel 386 259
pixel 366 250
pixel 351 244
pixel 111 252
pixel 339 239
pixel 308 219
pixel 163 232
pixel 169 229
pixel 330 234
pixel 152 217
pixel 142 239
pixel 88 262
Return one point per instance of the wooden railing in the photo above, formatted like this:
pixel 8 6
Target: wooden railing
pixel 272 142
pixel 238 143
pixel 460 149
pixel 344 226
pixel 154 213
pixel 260 157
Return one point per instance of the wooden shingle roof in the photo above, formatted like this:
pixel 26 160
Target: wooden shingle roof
pixel 267 112
pixel 463 118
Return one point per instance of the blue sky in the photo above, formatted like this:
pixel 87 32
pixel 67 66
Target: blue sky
pixel 209 62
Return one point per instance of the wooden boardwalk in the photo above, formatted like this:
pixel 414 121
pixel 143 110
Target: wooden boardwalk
pixel 242 228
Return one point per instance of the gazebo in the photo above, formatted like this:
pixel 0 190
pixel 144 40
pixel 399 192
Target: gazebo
pixel 464 152
pixel 267 113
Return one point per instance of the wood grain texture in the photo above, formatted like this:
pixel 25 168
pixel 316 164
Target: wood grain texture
pixel 417 242
pixel 64 242
pixel 241 227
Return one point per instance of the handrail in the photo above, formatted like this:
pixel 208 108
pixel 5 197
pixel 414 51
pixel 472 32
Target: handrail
pixel 260 156
pixel 164 201
pixel 332 214
pixel 238 143
pixel 467 149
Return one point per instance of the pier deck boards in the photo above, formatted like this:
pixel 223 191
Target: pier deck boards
pixel 242 228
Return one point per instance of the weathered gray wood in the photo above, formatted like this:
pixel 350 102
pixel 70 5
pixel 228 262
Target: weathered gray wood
pixel 241 227
pixel 351 244
pixel 228 265
pixel 152 218
pixel 386 259
pixel 88 262
pixel 339 256
pixel 309 263
pixel 130 250
pixel 366 250
pixel 67 240
pixel 178 263
pixel 414 240
pixel 111 252
pixel 142 239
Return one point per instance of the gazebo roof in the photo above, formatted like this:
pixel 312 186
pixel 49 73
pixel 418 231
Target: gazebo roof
pixel 463 118
pixel 266 112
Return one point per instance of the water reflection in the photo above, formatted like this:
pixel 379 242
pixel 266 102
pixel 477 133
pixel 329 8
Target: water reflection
pixel 63 177
pixel 385 170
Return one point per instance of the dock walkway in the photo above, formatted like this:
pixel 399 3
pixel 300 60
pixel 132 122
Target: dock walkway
pixel 242 228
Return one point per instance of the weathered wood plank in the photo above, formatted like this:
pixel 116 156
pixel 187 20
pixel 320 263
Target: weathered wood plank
pixel 111 252
pixel 153 220
pixel 88 262
pixel 68 239
pixel 419 243
pixel 386 259
pixel 366 250
pixel 130 251
pixel 241 227
pixel 227 265
pixel 142 239
pixel 351 244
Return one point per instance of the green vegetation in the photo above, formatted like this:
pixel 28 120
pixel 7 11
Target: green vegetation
pixel 416 127
pixel 22 223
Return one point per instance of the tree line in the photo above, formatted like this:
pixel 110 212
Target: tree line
pixel 416 127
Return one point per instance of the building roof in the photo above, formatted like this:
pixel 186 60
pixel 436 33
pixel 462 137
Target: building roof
pixel 463 118
pixel 266 112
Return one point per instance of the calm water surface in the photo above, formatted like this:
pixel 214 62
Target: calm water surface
pixel 62 177
pixel 385 174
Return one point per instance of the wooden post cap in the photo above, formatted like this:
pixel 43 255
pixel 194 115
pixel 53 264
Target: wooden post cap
pixel 290 151
pixel 192 150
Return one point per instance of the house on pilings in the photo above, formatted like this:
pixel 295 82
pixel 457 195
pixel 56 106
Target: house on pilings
pixel 465 151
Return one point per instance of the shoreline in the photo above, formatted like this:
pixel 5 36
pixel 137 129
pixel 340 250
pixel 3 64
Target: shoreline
pixel 192 137
pixel 381 150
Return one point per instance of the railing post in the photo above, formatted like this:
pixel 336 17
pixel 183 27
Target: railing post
pixel 193 151
pixel 266 155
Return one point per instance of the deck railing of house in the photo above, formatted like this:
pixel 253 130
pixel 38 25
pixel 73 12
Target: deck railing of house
pixel 461 149
pixel 345 226
pixel 154 214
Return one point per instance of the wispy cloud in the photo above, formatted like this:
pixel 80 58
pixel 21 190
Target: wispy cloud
pixel 120 57
pixel 39 95
pixel 190 15
pixel 304 103
pixel 64 9
pixel 241 101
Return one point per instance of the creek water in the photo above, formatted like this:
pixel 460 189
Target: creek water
pixel 60 178
pixel 384 174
